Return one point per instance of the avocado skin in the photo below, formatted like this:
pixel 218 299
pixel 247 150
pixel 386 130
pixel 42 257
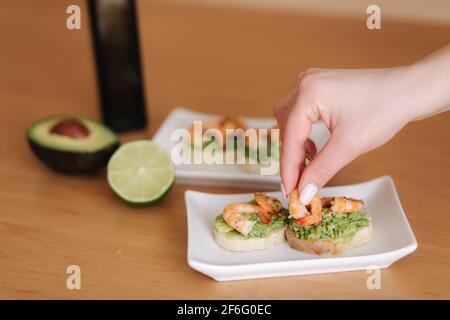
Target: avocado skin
pixel 73 163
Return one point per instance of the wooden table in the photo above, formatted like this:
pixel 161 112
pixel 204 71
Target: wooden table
pixel 208 59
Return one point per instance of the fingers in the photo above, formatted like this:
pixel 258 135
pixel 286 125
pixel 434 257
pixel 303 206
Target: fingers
pixel 296 132
pixel 310 153
pixel 310 149
pixel 334 156
pixel 281 110
pixel 285 103
pixel 295 128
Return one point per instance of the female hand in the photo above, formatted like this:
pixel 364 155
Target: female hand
pixel 363 109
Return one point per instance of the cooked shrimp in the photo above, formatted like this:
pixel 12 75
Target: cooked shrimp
pixel 230 123
pixel 296 208
pixel 307 220
pixel 212 124
pixel 299 211
pixel 346 205
pixel 220 124
pixel 234 216
pixel 327 201
pixel 316 213
pixel 267 203
pixel 316 206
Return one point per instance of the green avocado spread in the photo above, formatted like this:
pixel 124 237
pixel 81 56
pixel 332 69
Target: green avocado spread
pixel 333 226
pixel 260 229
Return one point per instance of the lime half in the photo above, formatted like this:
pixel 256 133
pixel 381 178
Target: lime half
pixel 141 172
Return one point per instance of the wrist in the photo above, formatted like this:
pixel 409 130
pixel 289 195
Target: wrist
pixel 430 78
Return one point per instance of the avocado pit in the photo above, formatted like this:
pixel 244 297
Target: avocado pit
pixel 71 128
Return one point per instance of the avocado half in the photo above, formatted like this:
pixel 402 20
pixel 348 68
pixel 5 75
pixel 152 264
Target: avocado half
pixel 72 144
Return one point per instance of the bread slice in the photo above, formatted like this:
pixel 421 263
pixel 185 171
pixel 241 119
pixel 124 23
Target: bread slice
pixel 240 243
pixel 329 246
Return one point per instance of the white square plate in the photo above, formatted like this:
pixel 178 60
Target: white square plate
pixel 392 237
pixel 222 175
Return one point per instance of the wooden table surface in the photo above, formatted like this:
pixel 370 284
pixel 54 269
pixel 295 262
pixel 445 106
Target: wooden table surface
pixel 216 60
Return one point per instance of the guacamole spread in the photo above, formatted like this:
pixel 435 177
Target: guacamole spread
pixel 260 229
pixel 333 226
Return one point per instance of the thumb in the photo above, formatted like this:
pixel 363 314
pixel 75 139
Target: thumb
pixel 336 154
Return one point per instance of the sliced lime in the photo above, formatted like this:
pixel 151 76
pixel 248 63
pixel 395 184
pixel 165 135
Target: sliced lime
pixel 141 172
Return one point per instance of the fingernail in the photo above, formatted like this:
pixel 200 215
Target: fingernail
pixel 283 192
pixel 308 192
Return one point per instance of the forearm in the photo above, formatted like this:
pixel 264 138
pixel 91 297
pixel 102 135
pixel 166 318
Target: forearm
pixel 432 91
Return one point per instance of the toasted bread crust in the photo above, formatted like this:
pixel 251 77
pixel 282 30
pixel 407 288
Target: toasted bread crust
pixel 329 246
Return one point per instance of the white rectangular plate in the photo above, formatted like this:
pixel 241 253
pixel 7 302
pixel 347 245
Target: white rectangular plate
pixel 222 175
pixel 392 237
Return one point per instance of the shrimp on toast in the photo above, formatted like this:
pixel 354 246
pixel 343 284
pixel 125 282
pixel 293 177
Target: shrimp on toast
pixel 316 213
pixel 235 216
pixel 268 204
pixel 346 205
pixel 296 208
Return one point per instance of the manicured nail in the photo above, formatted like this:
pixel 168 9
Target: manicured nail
pixel 308 192
pixel 283 192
